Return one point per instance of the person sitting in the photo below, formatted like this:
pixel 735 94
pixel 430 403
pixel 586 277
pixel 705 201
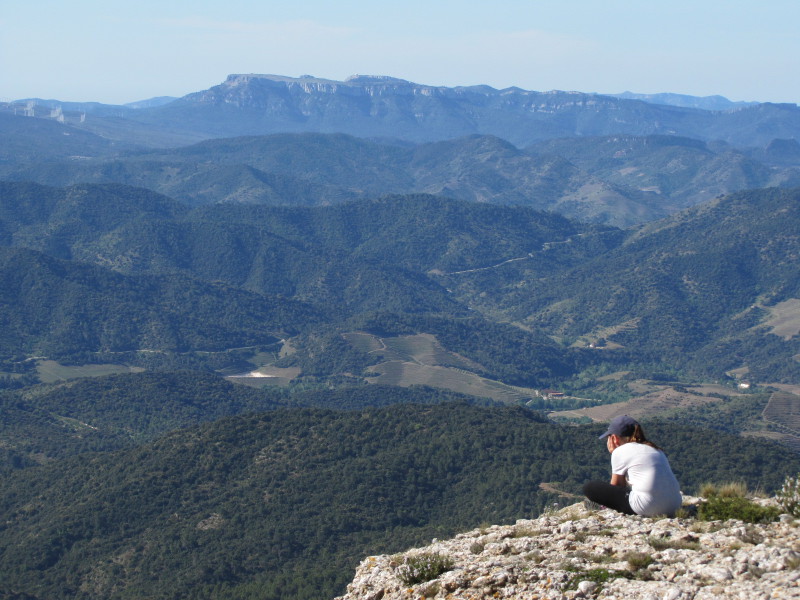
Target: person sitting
pixel 642 481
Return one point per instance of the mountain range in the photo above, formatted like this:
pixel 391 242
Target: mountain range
pixel 704 102
pixel 596 158
pixel 387 107
pixel 300 231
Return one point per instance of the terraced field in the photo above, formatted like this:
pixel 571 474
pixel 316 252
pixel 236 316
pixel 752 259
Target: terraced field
pixel 422 360
pixel 783 413
pixel 654 401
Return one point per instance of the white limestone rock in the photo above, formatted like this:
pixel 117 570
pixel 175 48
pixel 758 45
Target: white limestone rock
pixel 555 556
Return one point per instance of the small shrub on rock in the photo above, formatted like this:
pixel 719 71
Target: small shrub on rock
pixel 638 560
pixel 733 489
pixel 423 567
pixel 663 543
pixel 598 575
pixel 789 495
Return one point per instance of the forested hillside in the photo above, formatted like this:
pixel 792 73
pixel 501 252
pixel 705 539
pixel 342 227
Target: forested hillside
pixel 44 423
pixel 673 172
pixel 692 294
pixel 185 271
pixel 27 140
pixel 62 309
pixel 284 504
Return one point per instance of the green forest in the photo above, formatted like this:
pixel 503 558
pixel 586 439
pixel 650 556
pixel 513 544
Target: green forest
pixel 280 501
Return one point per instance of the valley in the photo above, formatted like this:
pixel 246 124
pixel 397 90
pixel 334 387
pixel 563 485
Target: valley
pixel 239 349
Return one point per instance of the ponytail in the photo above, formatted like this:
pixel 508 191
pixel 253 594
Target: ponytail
pixel 638 437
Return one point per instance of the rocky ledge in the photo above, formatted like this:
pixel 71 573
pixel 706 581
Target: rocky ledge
pixel 580 553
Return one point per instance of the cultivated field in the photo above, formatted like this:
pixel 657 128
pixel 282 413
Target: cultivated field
pixel 51 371
pixel 422 348
pixel 783 411
pixel 780 420
pixel 787 387
pixel 784 318
pixel 654 400
pixel 422 360
pixel 406 374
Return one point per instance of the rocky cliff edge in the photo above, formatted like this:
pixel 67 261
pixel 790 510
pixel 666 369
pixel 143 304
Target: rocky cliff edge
pixel 581 553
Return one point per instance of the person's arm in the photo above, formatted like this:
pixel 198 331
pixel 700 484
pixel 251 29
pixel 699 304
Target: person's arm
pixel 619 480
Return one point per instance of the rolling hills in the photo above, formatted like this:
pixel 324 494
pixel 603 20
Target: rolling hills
pixel 63 309
pixel 271 249
pixel 694 291
pixel 316 169
pixel 618 180
pixel 169 281
pixel 676 172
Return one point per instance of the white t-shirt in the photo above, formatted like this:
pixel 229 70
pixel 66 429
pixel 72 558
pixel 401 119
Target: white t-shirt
pixel 654 489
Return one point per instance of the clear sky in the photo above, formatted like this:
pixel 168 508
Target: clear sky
pixel 117 52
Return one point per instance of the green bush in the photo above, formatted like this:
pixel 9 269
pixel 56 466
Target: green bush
pixel 423 567
pixel 718 508
pixel 638 560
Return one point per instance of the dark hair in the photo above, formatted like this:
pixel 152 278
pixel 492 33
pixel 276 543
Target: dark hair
pixel 638 437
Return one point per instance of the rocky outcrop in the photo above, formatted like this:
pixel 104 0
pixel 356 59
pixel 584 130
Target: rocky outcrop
pixel 580 553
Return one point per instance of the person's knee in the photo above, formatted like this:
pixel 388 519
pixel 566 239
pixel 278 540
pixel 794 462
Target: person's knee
pixel 589 488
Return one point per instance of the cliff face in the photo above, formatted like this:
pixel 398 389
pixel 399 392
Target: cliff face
pixel 576 553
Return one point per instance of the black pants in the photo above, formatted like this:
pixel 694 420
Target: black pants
pixel 611 496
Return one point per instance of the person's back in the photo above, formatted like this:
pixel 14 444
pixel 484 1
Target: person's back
pixel 654 488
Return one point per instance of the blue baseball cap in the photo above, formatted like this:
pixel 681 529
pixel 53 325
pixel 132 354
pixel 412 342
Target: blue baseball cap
pixel 622 426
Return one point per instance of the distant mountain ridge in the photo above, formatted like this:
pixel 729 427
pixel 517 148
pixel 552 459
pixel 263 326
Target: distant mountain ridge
pixel 387 107
pixel 705 102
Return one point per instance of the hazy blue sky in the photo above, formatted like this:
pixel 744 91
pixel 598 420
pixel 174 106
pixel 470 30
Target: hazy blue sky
pixel 118 52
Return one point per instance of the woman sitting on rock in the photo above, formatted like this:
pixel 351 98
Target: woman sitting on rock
pixel 642 482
